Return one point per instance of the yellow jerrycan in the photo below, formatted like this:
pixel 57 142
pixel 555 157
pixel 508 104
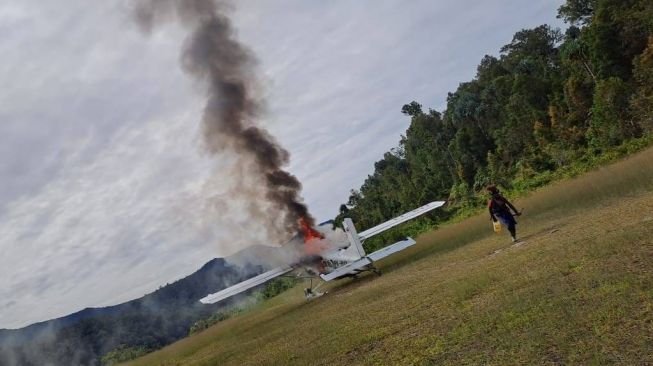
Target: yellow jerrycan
pixel 496 225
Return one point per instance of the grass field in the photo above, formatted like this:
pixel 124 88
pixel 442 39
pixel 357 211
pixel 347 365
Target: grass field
pixel 577 290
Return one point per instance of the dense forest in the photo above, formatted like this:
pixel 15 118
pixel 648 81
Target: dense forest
pixel 549 101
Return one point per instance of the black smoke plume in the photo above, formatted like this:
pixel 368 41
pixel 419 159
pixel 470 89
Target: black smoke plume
pixel 213 56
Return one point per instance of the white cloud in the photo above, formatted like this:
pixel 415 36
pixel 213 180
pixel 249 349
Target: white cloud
pixel 106 194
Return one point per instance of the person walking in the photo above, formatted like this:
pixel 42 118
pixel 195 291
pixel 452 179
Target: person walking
pixel 500 208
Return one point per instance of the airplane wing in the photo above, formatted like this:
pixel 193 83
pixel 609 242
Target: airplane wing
pixel 245 285
pixel 399 219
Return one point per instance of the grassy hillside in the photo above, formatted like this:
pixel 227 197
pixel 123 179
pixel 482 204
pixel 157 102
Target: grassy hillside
pixel 577 290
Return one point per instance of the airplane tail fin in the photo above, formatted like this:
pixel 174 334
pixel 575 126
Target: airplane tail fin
pixel 356 247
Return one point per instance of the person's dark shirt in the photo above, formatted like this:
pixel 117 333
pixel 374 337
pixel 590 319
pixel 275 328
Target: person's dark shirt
pixel 499 206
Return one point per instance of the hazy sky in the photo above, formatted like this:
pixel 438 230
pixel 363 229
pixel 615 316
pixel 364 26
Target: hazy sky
pixel 105 190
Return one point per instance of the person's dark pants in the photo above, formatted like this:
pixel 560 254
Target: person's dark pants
pixel 509 221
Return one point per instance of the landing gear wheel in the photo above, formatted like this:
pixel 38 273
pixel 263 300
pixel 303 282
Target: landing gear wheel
pixel 377 271
pixel 312 292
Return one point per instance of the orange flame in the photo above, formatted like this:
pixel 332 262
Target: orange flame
pixel 309 232
pixel 311 236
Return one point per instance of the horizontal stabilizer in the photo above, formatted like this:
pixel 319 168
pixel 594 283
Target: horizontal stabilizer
pixel 245 285
pixel 391 249
pixel 399 219
pixel 347 269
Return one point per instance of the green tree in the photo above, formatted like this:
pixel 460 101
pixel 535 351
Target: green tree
pixel 642 101
pixel 577 11
pixel 610 124
pixel 432 169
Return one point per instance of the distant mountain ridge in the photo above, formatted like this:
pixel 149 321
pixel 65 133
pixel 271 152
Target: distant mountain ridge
pixel 152 321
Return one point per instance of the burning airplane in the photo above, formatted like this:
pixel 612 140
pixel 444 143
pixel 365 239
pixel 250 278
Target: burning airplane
pixel 327 261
